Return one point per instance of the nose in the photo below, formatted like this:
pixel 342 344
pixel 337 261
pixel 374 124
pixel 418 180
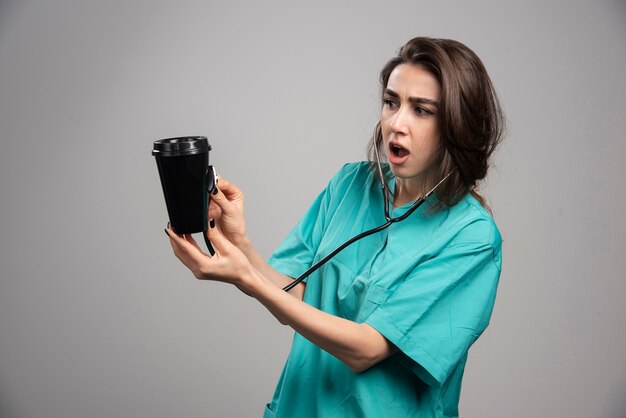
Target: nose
pixel 399 121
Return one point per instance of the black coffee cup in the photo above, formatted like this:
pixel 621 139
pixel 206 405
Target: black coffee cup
pixel 186 178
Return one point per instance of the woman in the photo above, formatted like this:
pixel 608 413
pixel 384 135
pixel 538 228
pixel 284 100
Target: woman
pixel 383 328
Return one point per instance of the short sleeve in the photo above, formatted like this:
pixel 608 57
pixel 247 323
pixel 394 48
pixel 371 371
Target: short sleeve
pixel 442 307
pixel 297 251
pixel 295 254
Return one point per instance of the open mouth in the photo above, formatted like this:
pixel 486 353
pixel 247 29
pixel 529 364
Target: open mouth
pixel 398 151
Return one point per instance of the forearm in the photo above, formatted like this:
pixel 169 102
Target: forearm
pixel 278 279
pixel 359 346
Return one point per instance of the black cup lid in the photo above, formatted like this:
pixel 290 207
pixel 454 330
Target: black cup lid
pixel 179 146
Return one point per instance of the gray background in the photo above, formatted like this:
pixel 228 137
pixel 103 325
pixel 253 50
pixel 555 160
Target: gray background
pixel 98 318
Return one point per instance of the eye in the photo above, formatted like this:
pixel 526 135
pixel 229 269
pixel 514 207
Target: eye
pixel 390 103
pixel 422 111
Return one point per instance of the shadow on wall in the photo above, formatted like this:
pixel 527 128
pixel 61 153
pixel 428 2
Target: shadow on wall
pixel 616 405
pixel 7 8
pixel 6 409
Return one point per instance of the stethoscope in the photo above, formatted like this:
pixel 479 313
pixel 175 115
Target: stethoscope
pixel 389 219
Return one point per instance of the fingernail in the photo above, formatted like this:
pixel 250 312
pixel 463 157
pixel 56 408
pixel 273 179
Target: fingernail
pixel 215 190
pixel 212 223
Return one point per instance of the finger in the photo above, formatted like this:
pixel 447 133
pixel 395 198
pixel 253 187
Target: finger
pixel 175 239
pixel 231 191
pixel 189 239
pixel 179 251
pixel 222 202
pixel 214 212
pixel 186 251
pixel 219 241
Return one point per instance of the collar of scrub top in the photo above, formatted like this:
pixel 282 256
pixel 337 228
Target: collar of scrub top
pixel 388 217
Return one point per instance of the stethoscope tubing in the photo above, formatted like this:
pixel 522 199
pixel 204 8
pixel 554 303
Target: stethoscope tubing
pixel 352 240
pixel 369 232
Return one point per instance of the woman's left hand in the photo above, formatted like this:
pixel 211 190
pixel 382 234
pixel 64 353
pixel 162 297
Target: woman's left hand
pixel 228 265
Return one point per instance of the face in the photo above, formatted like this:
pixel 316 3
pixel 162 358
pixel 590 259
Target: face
pixel 409 123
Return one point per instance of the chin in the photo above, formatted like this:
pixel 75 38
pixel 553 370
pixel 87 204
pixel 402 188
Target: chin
pixel 402 171
pixel 410 174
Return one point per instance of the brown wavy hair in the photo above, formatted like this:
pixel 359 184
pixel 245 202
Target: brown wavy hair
pixel 470 119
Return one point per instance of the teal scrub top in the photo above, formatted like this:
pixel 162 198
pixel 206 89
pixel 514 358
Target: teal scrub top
pixel 427 284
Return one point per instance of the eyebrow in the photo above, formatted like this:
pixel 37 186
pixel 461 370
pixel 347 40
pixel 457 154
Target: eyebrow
pixel 413 100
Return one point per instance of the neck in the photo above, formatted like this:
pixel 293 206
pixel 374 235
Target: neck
pixel 408 190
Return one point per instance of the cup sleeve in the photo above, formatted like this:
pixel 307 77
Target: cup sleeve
pixel 437 313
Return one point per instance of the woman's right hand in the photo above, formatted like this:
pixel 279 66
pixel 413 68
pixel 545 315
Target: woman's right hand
pixel 226 209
